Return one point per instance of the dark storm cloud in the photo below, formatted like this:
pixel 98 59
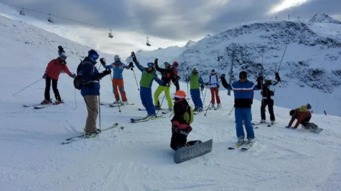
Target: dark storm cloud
pixel 177 20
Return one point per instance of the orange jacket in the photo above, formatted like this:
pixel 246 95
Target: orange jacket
pixel 301 114
pixel 55 67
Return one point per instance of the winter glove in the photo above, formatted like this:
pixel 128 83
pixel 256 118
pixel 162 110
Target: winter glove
pixel 73 75
pixel 103 61
pixel 278 79
pixel 106 72
pixel 133 56
pixel 260 79
pixel 206 84
pixel 44 76
pixel 131 65
pixel 202 87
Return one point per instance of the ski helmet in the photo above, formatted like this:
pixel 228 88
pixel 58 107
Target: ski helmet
pixel 150 64
pixel 93 55
pixel 117 58
pixel 180 94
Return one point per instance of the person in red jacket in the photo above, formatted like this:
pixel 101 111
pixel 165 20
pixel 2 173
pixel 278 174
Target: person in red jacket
pixel 302 114
pixel 52 72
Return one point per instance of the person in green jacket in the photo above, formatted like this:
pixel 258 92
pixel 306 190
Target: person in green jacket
pixel 147 78
pixel 196 84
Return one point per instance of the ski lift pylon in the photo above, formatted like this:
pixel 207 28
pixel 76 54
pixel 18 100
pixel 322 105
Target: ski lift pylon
pixel 147 43
pixel 110 34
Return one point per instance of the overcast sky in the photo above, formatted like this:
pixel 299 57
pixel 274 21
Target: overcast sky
pixel 177 19
pixel 165 22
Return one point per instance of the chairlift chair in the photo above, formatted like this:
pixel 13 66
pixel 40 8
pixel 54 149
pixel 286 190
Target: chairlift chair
pixel 147 43
pixel 110 34
pixel 50 19
pixel 22 11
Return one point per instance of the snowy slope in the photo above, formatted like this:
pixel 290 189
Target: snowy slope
pixel 139 157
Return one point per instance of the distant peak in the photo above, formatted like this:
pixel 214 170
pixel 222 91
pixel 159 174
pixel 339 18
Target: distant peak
pixel 323 18
pixel 190 43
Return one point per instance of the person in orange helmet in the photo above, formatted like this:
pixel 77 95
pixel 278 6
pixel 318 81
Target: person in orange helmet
pixel 181 122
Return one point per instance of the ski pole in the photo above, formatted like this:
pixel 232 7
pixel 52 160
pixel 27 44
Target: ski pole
pixel 99 113
pixel 231 110
pixel 27 87
pixel 209 105
pixel 137 84
pixel 161 103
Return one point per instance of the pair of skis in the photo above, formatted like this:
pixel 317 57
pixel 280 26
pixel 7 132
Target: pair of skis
pixel 40 106
pixel 144 119
pixel 243 146
pixel 85 136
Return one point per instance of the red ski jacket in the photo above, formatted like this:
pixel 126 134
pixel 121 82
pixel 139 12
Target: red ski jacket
pixel 55 67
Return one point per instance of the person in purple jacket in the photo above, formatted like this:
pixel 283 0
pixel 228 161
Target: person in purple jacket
pixel 243 97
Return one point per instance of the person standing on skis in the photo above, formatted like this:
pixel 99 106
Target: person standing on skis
pixel 147 78
pixel 52 72
pixel 117 79
pixel 167 74
pixel 90 89
pixel 213 82
pixel 196 85
pixel 243 95
pixel 175 77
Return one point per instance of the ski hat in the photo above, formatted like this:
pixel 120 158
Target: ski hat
pixel 243 74
pixel 292 112
pixel 93 55
pixel 175 63
pixel 117 58
pixel 61 53
pixel 213 71
pixel 308 106
pixel 180 94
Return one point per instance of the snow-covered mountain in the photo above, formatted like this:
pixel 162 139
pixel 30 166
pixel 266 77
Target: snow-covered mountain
pixel 306 55
pixel 323 18
pixel 138 158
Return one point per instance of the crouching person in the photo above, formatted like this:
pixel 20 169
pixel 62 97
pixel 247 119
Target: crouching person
pixel 183 117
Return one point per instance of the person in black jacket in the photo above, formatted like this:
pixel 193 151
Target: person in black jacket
pixel 167 75
pixel 268 93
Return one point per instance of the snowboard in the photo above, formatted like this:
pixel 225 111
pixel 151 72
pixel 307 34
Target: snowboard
pixel 189 152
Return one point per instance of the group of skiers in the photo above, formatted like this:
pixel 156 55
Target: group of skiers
pixel 183 114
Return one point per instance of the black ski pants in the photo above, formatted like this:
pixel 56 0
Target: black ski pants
pixel 54 88
pixel 270 104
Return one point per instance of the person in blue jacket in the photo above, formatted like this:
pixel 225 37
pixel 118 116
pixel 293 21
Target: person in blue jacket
pixel 243 98
pixel 117 79
pixel 147 78
pixel 90 89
